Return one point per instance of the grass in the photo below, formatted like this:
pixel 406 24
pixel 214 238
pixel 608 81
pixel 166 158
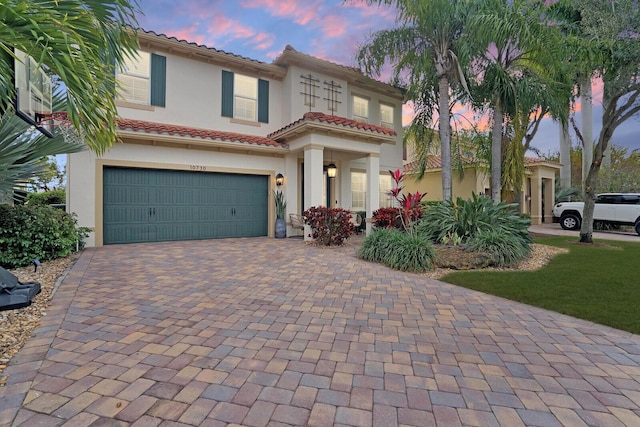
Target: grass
pixel 598 283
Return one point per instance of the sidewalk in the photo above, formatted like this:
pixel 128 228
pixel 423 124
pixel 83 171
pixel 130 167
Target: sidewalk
pixel 556 230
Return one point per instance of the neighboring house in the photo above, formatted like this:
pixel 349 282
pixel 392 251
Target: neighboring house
pixel 205 132
pixel 537 196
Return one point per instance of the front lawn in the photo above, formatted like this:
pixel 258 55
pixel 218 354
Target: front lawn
pixel 600 282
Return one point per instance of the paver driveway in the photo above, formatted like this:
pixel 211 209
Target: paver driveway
pixel 275 332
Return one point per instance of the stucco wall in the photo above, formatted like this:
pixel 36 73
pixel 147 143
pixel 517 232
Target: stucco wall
pixel 84 182
pixel 472 182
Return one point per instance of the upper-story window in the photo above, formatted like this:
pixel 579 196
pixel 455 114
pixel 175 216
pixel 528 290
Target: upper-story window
pixel 142 79
pixel 135 79
pixel 245 97
pixel 386 116
pixel 360 109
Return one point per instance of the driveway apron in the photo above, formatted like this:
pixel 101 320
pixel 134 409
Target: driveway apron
pixel 277 332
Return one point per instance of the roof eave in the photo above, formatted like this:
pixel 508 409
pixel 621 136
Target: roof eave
pixel 173 45
pixel 197 141
pixel 293 57
pixel 306 126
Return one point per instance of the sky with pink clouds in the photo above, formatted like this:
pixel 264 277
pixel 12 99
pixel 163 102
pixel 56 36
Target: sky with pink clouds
pixel 328 29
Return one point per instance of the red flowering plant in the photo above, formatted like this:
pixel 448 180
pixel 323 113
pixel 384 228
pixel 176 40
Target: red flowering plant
pixel 387 218
pixel 410 205
pixel 329 226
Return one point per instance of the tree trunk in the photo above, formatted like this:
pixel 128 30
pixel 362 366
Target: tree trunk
pixel 586 113
pixel 445 136
pixel 565 156
pixel 590 192
pixel 496 153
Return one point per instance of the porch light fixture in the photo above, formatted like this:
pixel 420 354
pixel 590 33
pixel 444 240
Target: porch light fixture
pixel 331 170
pixel 279 179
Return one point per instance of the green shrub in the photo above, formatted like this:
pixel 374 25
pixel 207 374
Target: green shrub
pixel 53 197
pixel 412 253
pixel 461 220
pixel 378 243
pixel 329 226
pixel 43 232
pixel 504 249
pixel 398 250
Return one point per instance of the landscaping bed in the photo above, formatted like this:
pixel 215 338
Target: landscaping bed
pixel 17 325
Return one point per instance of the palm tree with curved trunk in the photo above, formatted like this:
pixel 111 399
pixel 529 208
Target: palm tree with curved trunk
pixel 428 54
pixel 79 41
pixel 516 47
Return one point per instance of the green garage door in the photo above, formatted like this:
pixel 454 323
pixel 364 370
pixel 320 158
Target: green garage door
pixel 149 205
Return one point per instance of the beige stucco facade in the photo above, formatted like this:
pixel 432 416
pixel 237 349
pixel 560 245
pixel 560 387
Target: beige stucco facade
pixel 537 195
pixel 299 147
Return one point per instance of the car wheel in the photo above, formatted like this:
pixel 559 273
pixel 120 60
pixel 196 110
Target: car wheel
pixel 570 221
pixel 638 228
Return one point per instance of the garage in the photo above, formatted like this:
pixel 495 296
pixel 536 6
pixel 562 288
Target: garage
pixel 154 205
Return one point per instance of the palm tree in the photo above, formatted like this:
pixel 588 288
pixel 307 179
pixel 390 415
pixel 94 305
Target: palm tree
pixel 428 55
pixel 24 151
pixel 78 41
pixel 517 48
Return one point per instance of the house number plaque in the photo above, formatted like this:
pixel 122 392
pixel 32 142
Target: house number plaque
pixel 197 168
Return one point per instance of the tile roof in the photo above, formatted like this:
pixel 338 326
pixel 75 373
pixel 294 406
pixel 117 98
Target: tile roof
pixel 435 162
pixel 319 117
pixel 532 160
pixel 175 130
pixel 289 48
pixel 183 41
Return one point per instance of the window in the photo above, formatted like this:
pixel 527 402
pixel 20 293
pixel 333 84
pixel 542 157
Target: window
pixel 358 191
pixel 608 199
pixel 386 116
pixel 143 79
pixel 386 200
pixel 630 199
pixel 135 79
pixel 244 97
pixel 360 109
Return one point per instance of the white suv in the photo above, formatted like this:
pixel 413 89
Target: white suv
pixel 610 208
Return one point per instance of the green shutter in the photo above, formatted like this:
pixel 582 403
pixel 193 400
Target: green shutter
pixel 158 80
pixel 263 101
pixel 227 93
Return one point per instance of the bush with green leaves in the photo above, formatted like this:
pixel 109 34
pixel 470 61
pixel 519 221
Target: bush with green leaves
pixel 504 249
pixel 378 243
pixel 43 232
pixel 53 197
pixel 399 250
pixel 458 221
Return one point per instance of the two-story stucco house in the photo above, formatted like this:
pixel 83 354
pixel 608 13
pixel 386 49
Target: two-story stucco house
pixel 205 133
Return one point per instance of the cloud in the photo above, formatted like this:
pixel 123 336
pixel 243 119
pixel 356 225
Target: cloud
pixel 299 11
pixel 333 25
pixel 262 41
pixel 190 34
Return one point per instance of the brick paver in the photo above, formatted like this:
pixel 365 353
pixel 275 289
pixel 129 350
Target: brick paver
pixel 264 332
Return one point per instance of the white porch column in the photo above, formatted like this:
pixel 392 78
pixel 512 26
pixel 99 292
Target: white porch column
pixel 291 188
pixel 373 187
pixel 312 181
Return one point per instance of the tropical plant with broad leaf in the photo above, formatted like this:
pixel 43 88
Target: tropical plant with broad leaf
pixel 80 42
pixel 24 151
